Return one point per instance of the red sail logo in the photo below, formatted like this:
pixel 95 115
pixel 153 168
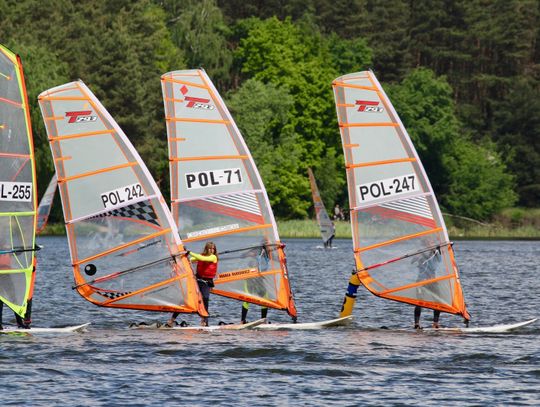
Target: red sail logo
pixel 82 116
pixel 195 103
pixel 369 106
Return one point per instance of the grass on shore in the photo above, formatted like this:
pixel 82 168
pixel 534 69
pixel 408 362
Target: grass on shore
pixel 512 223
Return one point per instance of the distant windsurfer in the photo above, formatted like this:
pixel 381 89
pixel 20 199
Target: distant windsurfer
pixel 328 243
pixel 207 263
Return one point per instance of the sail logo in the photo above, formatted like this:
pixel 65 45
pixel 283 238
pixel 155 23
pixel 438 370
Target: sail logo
pixel 82 116
pixel 369 106
pixel 195 103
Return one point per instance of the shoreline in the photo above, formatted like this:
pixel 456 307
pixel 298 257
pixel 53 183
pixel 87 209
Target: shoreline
pixel 308 229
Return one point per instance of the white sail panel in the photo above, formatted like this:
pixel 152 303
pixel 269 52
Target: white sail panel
pixel 217 193
pixel 124 245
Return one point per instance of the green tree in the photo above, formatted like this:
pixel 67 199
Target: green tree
pixel 469 179
pixel 199 29
pixel 261 111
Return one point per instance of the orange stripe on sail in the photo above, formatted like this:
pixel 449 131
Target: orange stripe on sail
pixel 54 118
pixel 178 119
pixel 349 85
pixel 372 163
pixel 351 145
pixel 195 85
pixel 123 246
pixel 399 239
pixel 384 124
pixel 63 158
pixel 65 97
pixel 228 232
pixel 212 157
pixel 90 133
pixel 15 155
pixel 11 102
pixel 101 171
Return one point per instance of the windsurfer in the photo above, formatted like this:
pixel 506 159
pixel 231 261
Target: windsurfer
pixel 256 285
pixel 207 263
pixel 328 243
pixel 427 264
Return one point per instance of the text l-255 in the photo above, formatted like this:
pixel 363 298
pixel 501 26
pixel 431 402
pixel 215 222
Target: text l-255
pixel 16 191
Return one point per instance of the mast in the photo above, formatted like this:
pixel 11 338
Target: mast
pixel 217 194
pixel 124 245
pixel 401 246
pixel 17 186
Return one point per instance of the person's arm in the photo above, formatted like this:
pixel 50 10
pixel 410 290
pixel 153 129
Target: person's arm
pixel 199 257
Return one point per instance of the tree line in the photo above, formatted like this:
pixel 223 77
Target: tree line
pixel 463 76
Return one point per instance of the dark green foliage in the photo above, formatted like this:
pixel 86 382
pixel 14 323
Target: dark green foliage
pixel 477 131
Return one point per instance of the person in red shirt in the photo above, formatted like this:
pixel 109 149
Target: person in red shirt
pixel 207 263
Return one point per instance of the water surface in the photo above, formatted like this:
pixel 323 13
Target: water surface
pixel 359 365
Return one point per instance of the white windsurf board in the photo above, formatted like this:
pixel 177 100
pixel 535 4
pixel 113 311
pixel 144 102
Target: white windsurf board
pixel 485 329
pixel 307 325
pixel 38 330
pixel 224 327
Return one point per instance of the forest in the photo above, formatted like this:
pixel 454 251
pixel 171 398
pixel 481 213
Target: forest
pixel 463 76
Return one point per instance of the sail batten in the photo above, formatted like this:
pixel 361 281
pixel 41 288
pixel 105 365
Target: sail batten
pixel 217 193
pixel 401 245
pixel 124 245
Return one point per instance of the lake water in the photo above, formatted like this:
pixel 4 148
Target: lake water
pixel 358 365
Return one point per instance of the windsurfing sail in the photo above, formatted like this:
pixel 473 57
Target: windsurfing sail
pixel 325 223
pixel 124 244
pixel 17 186
pixel 217 194
pixel 44 207
pixel 401 244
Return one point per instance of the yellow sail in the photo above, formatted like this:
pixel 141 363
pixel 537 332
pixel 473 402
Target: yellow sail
pixel 17 186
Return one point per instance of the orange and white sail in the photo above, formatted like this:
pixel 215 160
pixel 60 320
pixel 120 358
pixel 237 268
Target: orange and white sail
pixel 124 245
pixel 401 244
pixel 326 225
pixel 17 186
pixel 45 205
pixel 217 193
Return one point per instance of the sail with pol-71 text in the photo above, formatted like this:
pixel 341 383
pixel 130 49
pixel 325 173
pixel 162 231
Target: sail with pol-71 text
pixel 217 194
pixel 401 244
pixel 124 245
